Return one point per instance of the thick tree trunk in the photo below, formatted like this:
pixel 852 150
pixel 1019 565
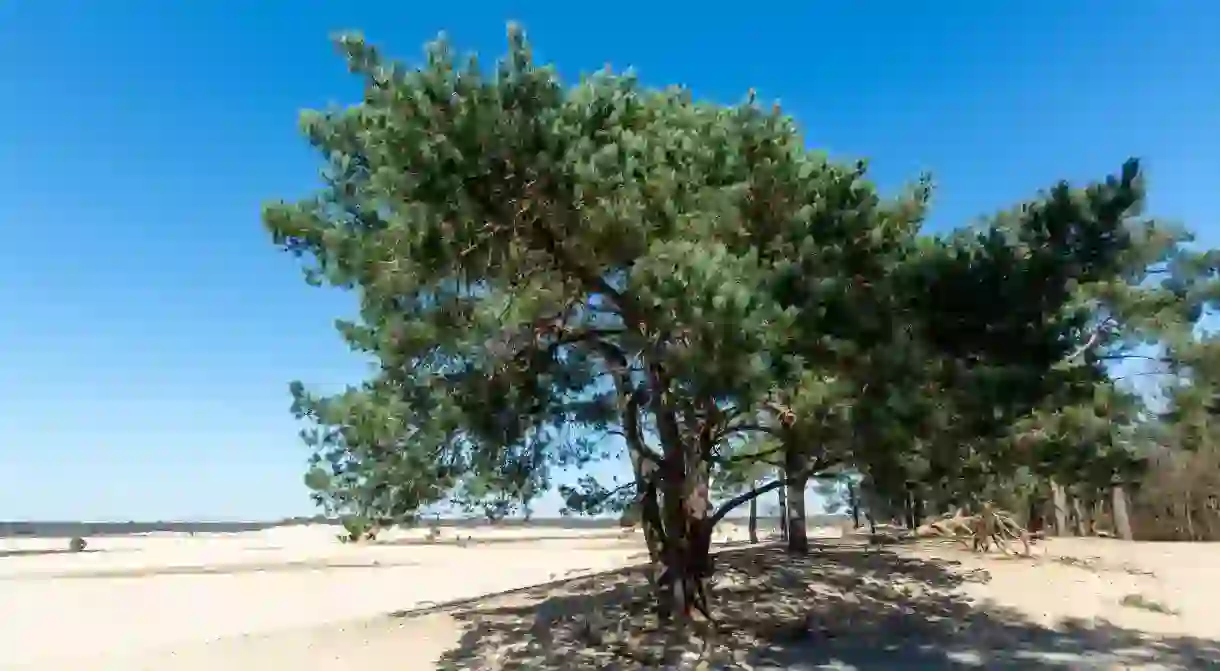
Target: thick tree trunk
pixel 1122 518
pixel 1059 501
pixel 685 505
pixel 670 576
pixel 753 525
pixel 697 564
pixel 783 510
pixel 798 536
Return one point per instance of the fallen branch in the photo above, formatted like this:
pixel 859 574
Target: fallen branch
pixel 980 532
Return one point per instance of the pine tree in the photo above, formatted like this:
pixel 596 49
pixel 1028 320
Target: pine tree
pixel 539 266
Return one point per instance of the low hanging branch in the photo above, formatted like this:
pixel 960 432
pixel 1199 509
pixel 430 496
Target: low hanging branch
pixel 744 497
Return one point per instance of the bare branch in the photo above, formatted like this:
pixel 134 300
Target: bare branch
pixel 1092 342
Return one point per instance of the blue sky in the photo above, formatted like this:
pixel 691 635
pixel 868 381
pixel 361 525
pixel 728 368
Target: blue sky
pixel 148 329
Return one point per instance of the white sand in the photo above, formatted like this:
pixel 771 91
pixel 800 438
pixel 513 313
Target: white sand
pixel 295 598
pixel 113 599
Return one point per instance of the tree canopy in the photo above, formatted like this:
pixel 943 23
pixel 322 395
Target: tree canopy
pixel 542 266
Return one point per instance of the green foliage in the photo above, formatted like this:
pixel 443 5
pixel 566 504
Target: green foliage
pixel 539 266
pixel 515 244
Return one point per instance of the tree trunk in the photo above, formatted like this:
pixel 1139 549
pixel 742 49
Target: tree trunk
pixel 685 505
pixel 912 508
pixel 853 501
pixel 1190 518
pixel 1034 521
pixel 783 510
pixel 1078 517
pixel 753 526
pixel 647 475
pixel 1059 500
pixel 671 578
pixel 650 509
pixel 798 536
pixel 1120 513
pixel 652 524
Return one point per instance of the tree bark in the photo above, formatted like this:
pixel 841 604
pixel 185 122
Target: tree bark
pixel 798 536
pixel 1078 516
pixel 685 505
pixel 644 464
pixel 652 524
pixel 853 501
pixel 783 510
pixel 753 526
pixel 1059 501
pixel 1190 518
pixel 646 474
pixel 1034 521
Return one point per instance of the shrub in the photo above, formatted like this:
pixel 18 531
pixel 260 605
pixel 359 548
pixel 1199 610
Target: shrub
pixel 77 544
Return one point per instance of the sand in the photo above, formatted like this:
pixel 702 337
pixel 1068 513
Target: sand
pixel 295 598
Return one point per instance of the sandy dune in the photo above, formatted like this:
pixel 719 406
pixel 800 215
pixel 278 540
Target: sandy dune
pixel 294 598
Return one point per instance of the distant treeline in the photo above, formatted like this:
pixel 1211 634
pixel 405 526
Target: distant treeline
pixel 65 529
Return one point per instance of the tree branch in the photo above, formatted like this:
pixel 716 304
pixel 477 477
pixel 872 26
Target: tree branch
pixel 607 495
pixel 1090 343
pixel 744 497
pixel 753 456
pixel 1145 357
pixel 743 428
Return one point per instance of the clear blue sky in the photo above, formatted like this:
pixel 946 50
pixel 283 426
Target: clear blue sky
pixel 148 329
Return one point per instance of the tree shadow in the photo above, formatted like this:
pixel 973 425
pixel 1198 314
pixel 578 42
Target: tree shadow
pixel 844 606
